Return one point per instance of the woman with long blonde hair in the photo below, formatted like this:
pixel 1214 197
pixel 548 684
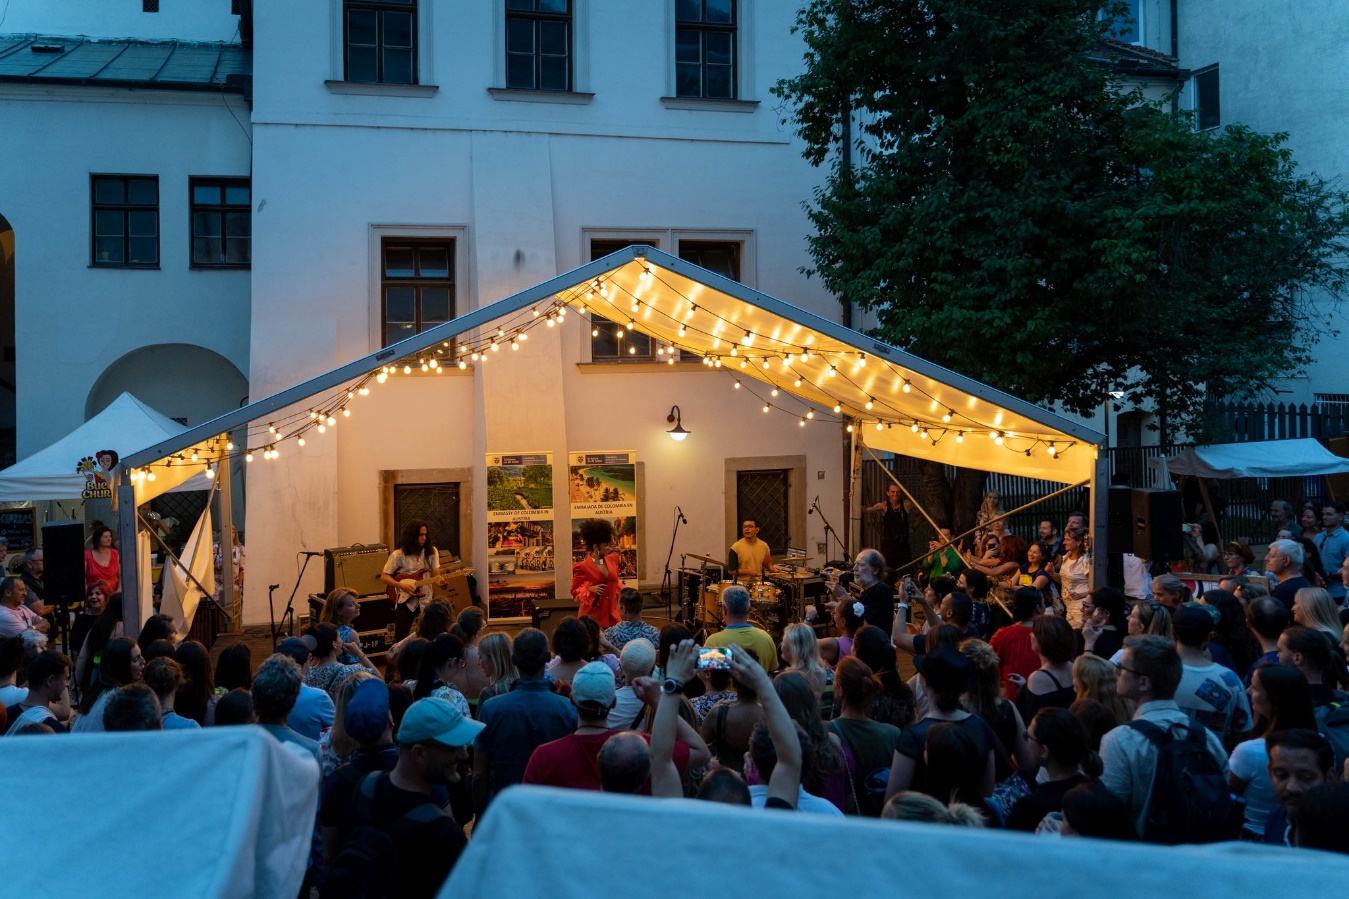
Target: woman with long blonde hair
pixel 1314 608
pixel 494 657
pixel 1096 678
pixel 801 652
pixel 340 609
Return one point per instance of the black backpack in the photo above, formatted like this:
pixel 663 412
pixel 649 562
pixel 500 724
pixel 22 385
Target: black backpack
pixel 365 867
pixel 1190 801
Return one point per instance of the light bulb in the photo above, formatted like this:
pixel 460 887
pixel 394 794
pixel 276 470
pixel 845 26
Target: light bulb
pixel 332 422
pixel 914 427
pixel 365 391
pixel 635 306
pixel 271 429
pixel 998 440
pixel 810 414
pixel 551 323
pixel 425 367
pixel 683 330
pixel 947 416
pixel 837 408
pixel 210 473
pixel 381 377
pixel 766 407
pixel 907 386
pixel 150 477
pixel 322 429
pixel 849 429
pixel 803 422
pixel 960 438
pixel 462 365
pixel 796 383
pixel 923 433
pixel 300 441
pixel 869 404
pixel 536 311
pixel 832 371
pixel 515 345
pixel 765 365
pixel 735 351
pixel 194 455
pixel 594 332
pixel 1052 450
pixel 775 391
pixel 407 369
pixel 879 426
pixel 495 348
pixel 737 385
pixel 346 413
pixel 248 457
pixel 229 446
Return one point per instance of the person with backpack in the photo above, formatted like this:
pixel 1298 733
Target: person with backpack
pixel 401 843
pixel 1317 658
pixel 1172 772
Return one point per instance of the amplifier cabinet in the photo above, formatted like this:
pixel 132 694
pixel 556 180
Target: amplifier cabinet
pixel 376 614
pixel 357 566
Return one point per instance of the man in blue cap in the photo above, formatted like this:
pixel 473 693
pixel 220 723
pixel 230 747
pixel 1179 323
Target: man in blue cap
pixel 398 830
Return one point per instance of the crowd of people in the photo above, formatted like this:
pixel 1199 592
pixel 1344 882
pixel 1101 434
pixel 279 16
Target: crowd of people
pixel 1038 705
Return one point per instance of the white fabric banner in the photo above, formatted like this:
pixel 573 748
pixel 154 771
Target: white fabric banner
pixel 181 594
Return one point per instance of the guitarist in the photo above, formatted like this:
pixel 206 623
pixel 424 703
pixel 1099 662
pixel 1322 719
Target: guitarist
pixel 415 558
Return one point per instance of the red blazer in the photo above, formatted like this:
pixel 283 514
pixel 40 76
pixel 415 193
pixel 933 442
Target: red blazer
pixel 586 574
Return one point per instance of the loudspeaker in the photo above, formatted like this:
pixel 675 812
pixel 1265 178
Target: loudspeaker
pixel 1157 519
pixel 1119 519
pixel 63 562
pixel 548 612
pixel 357 567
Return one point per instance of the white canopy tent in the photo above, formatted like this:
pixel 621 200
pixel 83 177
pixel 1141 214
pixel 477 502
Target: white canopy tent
pixel 793 360
pixel 221 811
pixel 1267 459
pixel 684 847
pixel 126 426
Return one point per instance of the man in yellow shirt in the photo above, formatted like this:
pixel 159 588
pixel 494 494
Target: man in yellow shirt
pixel 739 632
pixel 752 555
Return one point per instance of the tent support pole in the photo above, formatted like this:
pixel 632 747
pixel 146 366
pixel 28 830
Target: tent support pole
pixel 892 477
pixel 1099 522
pixel 126 538
pixel 1208 506
pixel 225 487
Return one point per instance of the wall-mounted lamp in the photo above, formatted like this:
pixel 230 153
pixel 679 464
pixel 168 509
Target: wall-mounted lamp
pixel 677 432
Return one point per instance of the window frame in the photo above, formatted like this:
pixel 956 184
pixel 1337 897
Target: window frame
pixel 461 260
pixel 416 282
pixel 125 208
pixel 537 17
pixel 1139 21
pixel 220 209
pixel 667 239
pixel 1194 97
pixel 704 28
pixel 378 6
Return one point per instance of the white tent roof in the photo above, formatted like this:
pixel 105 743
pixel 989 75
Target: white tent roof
pixel 680 846
pixel 126 426
pixel 222 811
pixel 1268 459
pixel 815 364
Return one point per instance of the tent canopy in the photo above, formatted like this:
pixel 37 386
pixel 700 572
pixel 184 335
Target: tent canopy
pixel 126 426
pixel 899 403
pixel 766 853
pixel 1268 459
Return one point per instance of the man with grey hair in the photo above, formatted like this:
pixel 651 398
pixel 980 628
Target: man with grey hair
pixel 876 597
pixel 133 707
pixel 1281 518
pixel 637 660
pixel 739 632
pixel 1284 563
pixel 276 686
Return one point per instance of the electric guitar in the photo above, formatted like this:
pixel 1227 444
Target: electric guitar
pixel 421 579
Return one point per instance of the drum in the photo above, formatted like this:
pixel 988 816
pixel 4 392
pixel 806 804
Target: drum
pixel 709 606
pixel 763 595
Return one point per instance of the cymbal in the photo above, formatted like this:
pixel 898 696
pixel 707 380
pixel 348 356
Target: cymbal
pixel 706 559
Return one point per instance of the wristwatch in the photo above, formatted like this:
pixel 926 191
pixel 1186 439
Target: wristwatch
pixel 672 687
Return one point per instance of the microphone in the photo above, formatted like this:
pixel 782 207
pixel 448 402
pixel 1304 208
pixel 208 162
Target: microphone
pixel 273 586
pixel 306 552
pixel 814 503
pixel 682 519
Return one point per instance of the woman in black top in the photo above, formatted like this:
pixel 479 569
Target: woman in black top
pixel 1052 685
pixel 1060 744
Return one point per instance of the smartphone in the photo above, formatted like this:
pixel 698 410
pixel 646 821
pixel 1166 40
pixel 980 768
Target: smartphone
pixel 714 658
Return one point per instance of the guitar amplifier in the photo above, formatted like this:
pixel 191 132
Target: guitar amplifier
pixel 374 625
pixel 357 566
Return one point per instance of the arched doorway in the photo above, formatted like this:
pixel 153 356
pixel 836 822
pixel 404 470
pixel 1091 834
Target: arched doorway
pixel 185 382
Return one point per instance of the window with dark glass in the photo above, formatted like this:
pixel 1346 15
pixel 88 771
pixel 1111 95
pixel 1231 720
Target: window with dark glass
pixel 1128 28
pixel 418 286
pixel 221 226
pixel 538 45
pixel 705 32
pixel 125 220
pixel 612 340
pixel 719 256
pixel 381 40
pixel 1208 112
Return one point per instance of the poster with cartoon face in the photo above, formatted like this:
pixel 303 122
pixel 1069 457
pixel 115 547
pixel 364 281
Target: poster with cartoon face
pixel 97 471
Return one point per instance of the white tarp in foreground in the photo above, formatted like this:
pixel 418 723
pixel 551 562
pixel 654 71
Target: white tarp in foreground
pixel 1265 459
pixel 564 843
pixel 224 811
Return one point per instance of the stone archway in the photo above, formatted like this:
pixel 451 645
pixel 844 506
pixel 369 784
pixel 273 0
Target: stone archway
pixel 185 382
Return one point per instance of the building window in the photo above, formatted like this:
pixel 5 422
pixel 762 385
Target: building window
pixel 612 341
pixel 221 226
pixel 126 220
pixel 1208 112
pixel 720 256
pixel 763 496
pixel 435 504
pixel 538 45
pixel 417 285
pixel 380 37
pixel 1129 27
pixel 705 63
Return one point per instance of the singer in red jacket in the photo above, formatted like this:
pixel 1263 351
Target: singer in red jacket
pixel 594 580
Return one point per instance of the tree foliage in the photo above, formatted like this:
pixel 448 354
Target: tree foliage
pixel 1015 213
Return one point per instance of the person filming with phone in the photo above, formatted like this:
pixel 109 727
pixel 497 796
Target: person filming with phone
pixel 877 597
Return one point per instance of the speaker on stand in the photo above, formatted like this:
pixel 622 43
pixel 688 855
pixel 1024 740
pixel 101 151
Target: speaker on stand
pixel 1158 516
pixel 63 571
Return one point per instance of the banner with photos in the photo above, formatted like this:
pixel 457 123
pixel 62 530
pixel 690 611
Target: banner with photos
pixel 604 485
pixel 520 560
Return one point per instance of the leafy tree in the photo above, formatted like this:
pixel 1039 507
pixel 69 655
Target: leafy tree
pixel 1009 194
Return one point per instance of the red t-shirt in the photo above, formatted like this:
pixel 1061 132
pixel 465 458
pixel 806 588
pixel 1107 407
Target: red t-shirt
pixel 1012 644
pixel 574 762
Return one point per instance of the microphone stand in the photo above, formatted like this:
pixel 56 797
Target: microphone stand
pixel 828 529
pixel 665 581
pixel 289 611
